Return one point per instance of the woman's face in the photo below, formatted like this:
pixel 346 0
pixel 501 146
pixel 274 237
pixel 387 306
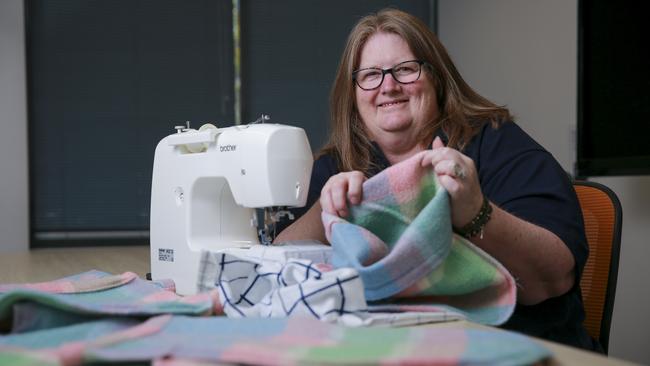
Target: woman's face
pixel 393 107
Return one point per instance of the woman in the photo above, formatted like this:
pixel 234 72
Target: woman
pixel 397 93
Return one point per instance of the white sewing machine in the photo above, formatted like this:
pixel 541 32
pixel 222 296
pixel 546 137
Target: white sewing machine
pixel 206 185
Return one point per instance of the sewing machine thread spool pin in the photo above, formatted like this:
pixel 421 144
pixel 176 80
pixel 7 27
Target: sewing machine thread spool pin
pixel 185 128
pixel 262 119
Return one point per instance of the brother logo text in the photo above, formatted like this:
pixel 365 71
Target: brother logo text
pixel 223 148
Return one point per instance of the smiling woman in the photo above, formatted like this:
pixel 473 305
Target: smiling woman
pixel 393 111
pixel 396 94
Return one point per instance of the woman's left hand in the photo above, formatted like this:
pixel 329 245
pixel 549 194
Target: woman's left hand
pixel 457 174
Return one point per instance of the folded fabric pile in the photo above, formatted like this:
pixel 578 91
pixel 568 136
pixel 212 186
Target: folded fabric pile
pixel 94 294
pixel 192 340
pixel 97 317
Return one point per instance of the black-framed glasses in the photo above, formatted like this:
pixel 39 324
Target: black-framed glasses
pixel 404 73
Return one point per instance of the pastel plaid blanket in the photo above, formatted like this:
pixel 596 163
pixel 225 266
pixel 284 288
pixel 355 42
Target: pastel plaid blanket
pixel 93 294
pixel 182 340
pixel 96 317
pixel 400 241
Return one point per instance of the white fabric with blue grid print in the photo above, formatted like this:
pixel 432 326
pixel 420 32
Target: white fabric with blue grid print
pixel 280 282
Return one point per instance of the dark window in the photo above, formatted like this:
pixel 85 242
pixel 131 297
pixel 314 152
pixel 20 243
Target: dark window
pixel 614 79
pixel 107 80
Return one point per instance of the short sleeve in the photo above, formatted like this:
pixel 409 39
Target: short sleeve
pixel 521 177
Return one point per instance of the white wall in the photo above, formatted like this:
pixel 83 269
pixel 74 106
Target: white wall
pixel 14 219
pixel 630 333
pixel 523 53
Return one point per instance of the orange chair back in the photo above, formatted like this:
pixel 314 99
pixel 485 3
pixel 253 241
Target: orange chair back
pixel 602 214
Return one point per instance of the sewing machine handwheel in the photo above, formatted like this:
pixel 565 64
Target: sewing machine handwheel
pixel 207 126
pixel 201 146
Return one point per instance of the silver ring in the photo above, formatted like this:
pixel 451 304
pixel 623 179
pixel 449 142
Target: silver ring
pixel 459 172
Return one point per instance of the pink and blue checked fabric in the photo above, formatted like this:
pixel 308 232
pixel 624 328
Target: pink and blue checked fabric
pixel 103 318
pixel 400 241
pixel 93 294
pixel 183 340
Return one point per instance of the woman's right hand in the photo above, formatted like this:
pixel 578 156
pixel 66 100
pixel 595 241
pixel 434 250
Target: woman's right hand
pixel 339 189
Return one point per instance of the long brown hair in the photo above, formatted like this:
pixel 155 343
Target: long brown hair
pixel 462 111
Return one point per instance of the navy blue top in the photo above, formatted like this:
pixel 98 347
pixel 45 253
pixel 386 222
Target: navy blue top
pixel 521 177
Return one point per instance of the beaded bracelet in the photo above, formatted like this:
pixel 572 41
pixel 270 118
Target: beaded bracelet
pixel 479 221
